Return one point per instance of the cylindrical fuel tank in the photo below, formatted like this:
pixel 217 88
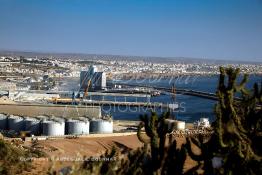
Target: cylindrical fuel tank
pixel 180 125
pixel 3 121
pixel 16 123
pixel 101 126
pixel 77 127
pixel 33 125
pixel 53 128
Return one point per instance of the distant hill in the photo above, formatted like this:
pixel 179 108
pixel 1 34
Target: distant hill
pixel 121 57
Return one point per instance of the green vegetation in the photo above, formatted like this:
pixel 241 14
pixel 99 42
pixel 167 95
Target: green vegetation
pixel 15 159
pixel 35 150
pixel 10 162
pixel 237 129
pixel 238 126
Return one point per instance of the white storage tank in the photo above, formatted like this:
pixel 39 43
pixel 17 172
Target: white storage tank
pixel 33 125
pixel 77 127
pixel 53 128
pixel 3 121
pixel 205 122
pixel 180 125
pixel 16 123
pixel 101 126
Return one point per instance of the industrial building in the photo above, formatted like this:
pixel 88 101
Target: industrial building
pixel 98 81
pixel 92 79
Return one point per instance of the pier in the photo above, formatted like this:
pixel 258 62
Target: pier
pixel 201 94
pixel 84 102
pixel 102 93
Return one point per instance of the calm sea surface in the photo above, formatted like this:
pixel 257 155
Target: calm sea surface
pixel 191 108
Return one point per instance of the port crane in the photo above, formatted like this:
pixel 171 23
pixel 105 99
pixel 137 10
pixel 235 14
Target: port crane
pixel 78 97
pixel 86 89
pixel 89 77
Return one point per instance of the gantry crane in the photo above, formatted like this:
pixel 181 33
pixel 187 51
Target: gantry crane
pixel 76 97
pixel 86 89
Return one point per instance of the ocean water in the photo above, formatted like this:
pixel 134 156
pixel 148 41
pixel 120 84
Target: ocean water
pixel 191 108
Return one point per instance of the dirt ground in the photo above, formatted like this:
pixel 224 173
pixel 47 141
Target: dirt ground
pixel 88 146
pixel 67 152
pixel 64 152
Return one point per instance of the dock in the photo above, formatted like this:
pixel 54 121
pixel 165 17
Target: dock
pixel 68 101
pixel 103 93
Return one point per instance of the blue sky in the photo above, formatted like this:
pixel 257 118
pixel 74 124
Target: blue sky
pixel 214 29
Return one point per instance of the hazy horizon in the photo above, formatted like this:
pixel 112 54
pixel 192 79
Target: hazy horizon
pixel 59 54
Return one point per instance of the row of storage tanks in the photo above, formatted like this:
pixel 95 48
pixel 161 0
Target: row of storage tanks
pixel 55 126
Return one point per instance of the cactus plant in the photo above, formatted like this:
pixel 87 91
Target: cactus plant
pixel 164 158
pixel 237 128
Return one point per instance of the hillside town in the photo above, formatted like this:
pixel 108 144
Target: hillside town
pixel 71 67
